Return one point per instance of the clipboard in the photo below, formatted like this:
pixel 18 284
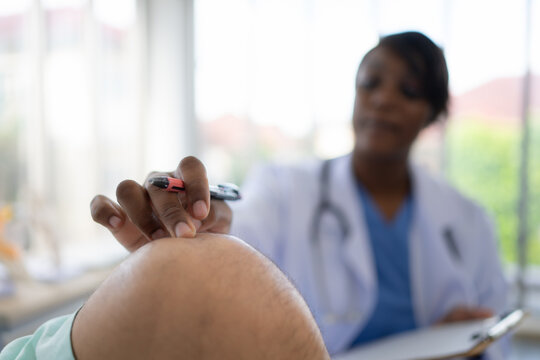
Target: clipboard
pixel 460 339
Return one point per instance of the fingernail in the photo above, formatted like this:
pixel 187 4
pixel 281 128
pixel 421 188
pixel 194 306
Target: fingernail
pixel 114 221
pixel 182 229
pixel 197 224
pixel 158 234
pixel 199 209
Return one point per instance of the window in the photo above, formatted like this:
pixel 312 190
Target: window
pixel 277 78
pixel 80 108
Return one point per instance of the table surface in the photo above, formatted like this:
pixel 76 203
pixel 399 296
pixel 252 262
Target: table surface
pixel 33 298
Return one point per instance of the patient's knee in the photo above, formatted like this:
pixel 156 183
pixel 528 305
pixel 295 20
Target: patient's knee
pixel 208 297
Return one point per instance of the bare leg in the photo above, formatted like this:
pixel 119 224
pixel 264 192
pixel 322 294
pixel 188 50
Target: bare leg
pixel 211 297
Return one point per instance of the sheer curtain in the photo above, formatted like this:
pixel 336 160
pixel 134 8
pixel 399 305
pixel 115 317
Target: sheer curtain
pixel 70 121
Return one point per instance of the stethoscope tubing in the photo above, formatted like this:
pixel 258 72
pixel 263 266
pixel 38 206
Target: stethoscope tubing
pixel 326 206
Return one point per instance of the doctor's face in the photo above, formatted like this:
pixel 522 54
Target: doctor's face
pixel 389 109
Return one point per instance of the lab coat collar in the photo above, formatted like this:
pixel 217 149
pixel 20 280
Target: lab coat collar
pixel 427 249
pixel 437 281
pixel 357 251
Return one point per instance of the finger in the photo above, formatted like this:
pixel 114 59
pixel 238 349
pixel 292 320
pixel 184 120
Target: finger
pixel 105 212
pixel 480 313
pixel 136 203
pixel 455 314
pixel 462 313
pixel 110 215
pixel 193 172
pixel 219 218
pixel 467 313
pixel 169 209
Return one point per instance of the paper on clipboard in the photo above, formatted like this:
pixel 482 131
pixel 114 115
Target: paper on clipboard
pixel 439 342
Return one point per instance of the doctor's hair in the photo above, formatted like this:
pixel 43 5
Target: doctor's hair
pixel 426 61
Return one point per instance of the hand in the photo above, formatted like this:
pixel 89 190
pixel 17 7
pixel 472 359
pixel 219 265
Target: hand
pixel 147 213
pixel 462 313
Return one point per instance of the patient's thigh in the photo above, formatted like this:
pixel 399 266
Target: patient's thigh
pixel 211 297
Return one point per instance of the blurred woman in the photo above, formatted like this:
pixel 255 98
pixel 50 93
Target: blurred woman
pixel 375 244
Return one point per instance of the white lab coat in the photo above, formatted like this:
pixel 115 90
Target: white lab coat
pixel 276 215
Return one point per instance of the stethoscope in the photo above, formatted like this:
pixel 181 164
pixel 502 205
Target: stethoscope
pixel 326 208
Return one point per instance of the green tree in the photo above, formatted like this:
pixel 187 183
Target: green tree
pixel 483 161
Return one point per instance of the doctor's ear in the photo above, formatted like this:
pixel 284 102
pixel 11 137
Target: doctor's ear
pixel 435 117
pixel 431 118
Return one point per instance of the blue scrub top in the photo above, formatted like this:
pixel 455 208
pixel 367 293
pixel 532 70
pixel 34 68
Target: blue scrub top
pixel 389 240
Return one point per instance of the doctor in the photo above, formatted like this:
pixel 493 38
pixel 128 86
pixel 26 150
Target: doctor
pixel 375 244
